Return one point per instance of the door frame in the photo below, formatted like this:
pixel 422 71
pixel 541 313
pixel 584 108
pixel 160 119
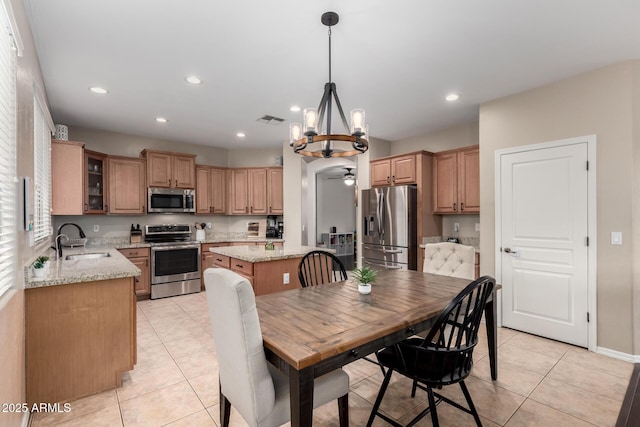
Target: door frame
pixel 592 253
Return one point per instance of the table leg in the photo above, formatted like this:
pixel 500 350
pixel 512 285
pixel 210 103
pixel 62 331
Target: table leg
pixel 301 397
pixel 492 334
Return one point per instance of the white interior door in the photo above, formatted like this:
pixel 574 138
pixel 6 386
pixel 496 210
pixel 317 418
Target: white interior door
pixel 544 229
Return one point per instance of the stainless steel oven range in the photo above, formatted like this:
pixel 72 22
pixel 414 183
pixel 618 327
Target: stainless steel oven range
pixel 175 260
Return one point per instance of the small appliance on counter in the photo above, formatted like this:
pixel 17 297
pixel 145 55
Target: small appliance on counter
pixel 136 234
pixel 272 231
pixel 257 229
pixel 201 235
pixel 453 240
pixel 280 229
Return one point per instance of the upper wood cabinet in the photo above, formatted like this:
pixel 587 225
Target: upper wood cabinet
pixel 127 193
pixel 255 191
pixel 275 195
pixel 456 181
pixel 67 178
pixel 211 184
pixel 171 170
pixel 397 170
pixel 96 183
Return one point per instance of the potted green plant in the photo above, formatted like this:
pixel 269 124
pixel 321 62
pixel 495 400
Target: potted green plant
pixel 365 277
pixel 44 260
pixel 38 268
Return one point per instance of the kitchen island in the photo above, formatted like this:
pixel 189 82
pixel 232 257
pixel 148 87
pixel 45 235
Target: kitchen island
pixel 80 322
pixel 267 270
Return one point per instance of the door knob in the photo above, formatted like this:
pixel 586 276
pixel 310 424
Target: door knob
pixel 512 252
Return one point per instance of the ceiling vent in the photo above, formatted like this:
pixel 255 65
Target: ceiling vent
pixel 270 120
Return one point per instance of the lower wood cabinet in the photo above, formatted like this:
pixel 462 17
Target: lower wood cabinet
pixel 140 257
pixel 79 339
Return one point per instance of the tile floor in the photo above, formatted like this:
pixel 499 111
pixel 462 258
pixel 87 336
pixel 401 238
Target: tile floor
pixel 175 382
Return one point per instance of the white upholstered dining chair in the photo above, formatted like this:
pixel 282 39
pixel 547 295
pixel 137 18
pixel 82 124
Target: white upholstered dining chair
pixel 258 391
pixel 449 259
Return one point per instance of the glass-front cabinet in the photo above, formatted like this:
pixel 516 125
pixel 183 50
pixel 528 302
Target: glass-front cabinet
pixel 95 191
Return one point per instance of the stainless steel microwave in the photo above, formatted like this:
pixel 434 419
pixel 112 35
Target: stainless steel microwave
pixel 171 200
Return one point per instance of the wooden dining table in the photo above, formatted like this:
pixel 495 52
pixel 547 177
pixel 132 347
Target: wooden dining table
pixel 309 332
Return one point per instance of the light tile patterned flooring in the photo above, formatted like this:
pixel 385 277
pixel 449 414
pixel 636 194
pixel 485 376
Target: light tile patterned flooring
pixel 175 382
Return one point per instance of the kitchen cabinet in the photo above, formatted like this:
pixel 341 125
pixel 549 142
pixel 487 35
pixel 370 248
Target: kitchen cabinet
pixel 127 193
pixel 397 170
pixel 79 338
pixel 209 259
pixel 170 170
pixel 275 191
pixel 67 178
pixel 211 183
pixel 415 168
pixel 96 183
pixel 140 257
pixel 456 181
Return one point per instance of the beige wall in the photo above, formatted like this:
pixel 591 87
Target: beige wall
pixel 256 157
pixel 12 385
pixel 600 102
pixel 446 139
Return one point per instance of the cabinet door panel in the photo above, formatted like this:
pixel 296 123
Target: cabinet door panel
pixel 203 204
pixel 95 184
pixel 142 283
pixel 275 191
pixel 403 170
pixel 126 186
pixel 258 191
pixel 445 184
pixel 67 159
pixel 184 171
pixel 469 180
pixel 159 165
pixel 381 173
pixel 218 191
pixel 238 191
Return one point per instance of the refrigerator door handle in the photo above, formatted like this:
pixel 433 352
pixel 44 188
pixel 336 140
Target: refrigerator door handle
pixel 391 252
pixel 380 213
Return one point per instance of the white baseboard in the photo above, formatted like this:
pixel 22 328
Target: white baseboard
pixel 618 355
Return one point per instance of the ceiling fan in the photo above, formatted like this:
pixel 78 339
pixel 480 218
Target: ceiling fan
pixel 349 177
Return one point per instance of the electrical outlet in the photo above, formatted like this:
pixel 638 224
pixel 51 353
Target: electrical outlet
pixel 209 225
pixel 285 278
pixel 456 226
pixel 477 226
pixel 96 228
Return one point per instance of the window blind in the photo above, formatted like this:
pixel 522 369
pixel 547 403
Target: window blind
pixel 8 179
pixel 41 174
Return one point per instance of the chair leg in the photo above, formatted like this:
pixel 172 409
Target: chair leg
pixel 383 389
pixel 413 388
pixel 225 409
pixel 432 405
pixel 343 410
pixel 472 407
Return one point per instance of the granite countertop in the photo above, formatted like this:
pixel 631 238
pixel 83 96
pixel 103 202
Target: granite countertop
pixel 260 254
pixel 247 240
pixel 62 272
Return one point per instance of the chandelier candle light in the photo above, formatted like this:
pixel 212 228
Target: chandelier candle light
pixel 301 136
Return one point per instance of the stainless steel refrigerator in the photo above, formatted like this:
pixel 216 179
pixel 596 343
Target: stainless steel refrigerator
pixel 389 227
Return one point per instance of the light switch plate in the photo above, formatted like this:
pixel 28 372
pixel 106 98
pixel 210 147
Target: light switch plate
pixel 456 226
pixel 285 278
pixel 96 228
pixel 477 226
pixel 616 238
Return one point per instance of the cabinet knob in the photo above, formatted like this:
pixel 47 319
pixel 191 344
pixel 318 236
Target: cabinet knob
pixel 106 208
pixel 388 180
pixel 239 266
pixel 86 207
pixel 176 182
pixel 169 181
pixel 246 209
pixel 454 206
pixel 461 206
pixel 393 178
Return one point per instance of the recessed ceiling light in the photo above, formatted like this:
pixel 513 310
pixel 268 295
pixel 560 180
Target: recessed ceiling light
pixel 100 90
pixel 295 108
pixel 240 135
pixel 161 120
pixel 452 97
pixel 193 80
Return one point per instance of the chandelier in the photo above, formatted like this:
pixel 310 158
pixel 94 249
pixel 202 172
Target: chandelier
pixel 303 136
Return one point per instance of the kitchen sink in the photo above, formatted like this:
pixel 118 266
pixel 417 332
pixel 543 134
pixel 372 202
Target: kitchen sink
pixel 88 256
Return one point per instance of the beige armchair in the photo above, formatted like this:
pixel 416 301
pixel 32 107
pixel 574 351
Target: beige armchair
pixel 449 259
pixel 258 390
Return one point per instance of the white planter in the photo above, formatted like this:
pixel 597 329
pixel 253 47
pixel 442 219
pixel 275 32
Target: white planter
pixel 47 265
pixel 38 272
pixel 364 288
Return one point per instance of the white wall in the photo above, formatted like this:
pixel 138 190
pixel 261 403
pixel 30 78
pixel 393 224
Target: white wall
pixel 335 206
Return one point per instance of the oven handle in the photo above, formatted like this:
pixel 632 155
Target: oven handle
pixel 170 248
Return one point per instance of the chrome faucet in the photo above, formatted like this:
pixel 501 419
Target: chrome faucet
pixel 59 246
